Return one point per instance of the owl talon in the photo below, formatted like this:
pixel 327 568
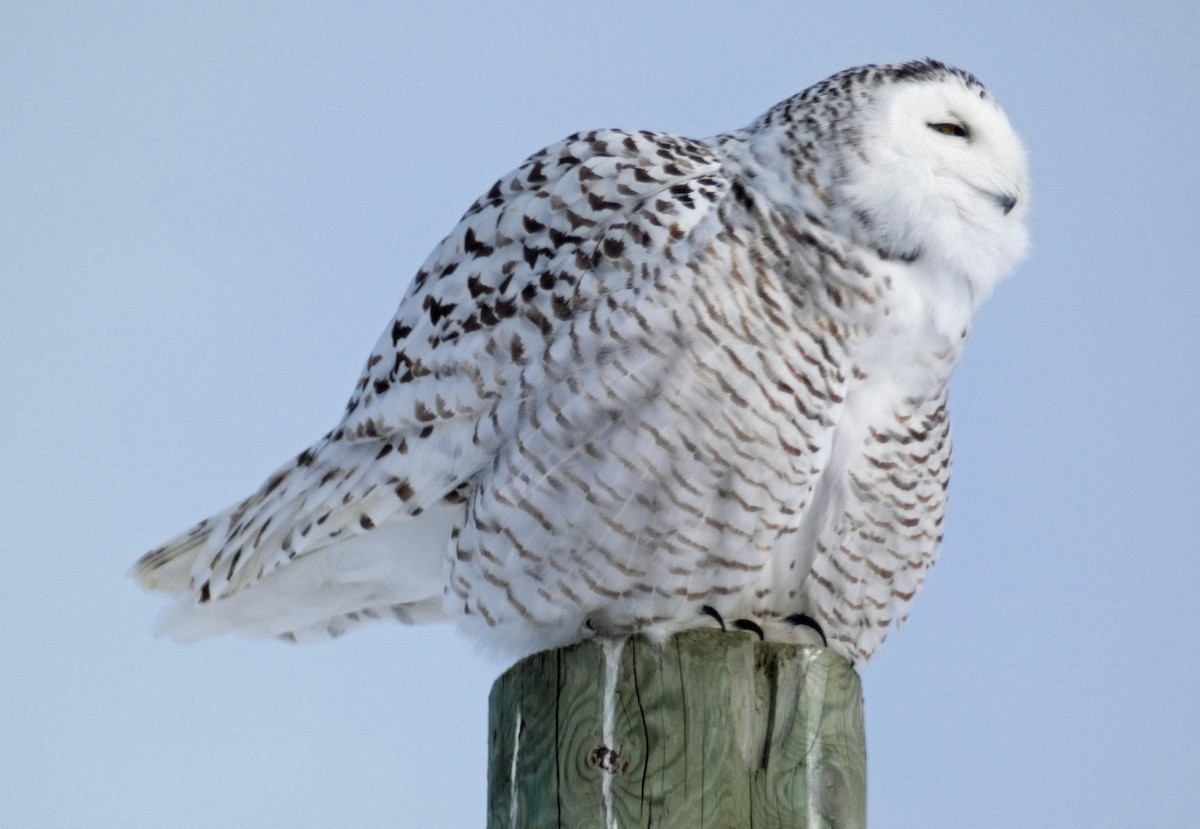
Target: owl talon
pixel 709 610
pixel 804 620
pixel 753 627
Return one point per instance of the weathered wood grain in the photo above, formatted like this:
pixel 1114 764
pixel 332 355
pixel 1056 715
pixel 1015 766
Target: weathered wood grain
pixel 710 731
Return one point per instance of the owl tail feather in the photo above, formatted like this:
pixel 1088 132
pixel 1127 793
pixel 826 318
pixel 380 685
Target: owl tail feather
pixel 395 571
pixel 168 569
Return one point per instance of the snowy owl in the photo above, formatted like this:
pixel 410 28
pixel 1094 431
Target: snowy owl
pixel 650 383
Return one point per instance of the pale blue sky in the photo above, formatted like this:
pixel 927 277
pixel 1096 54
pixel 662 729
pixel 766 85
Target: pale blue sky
pixel 209 211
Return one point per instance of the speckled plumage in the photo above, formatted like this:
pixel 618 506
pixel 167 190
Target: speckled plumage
pixel 645 374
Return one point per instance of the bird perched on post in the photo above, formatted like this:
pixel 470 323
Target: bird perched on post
pixel 648 382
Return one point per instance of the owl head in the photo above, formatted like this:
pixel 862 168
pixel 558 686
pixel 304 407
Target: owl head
pixel 931 170
pixel 915 160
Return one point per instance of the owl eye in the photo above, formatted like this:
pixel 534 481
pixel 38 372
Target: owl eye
pixel 949 128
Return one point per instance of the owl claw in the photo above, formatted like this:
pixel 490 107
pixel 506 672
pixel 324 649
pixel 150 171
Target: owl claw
pixel 753 627
pixel 803 619
pixel 739 624
pixel 709 610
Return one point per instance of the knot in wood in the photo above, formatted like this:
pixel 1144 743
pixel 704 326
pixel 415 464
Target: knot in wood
pixel 608 759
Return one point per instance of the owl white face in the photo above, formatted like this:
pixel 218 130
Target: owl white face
pixel 938 172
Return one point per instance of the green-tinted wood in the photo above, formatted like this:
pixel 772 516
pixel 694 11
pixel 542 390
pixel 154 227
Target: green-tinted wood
pixel 710 731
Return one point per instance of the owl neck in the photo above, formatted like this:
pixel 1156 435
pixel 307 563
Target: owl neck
pixel 780 162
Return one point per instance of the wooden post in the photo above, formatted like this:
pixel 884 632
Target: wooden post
pixel 709 731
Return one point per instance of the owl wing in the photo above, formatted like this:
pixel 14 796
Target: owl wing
pixel 427 414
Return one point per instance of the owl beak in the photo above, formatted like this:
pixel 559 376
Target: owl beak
pixel 1006 201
